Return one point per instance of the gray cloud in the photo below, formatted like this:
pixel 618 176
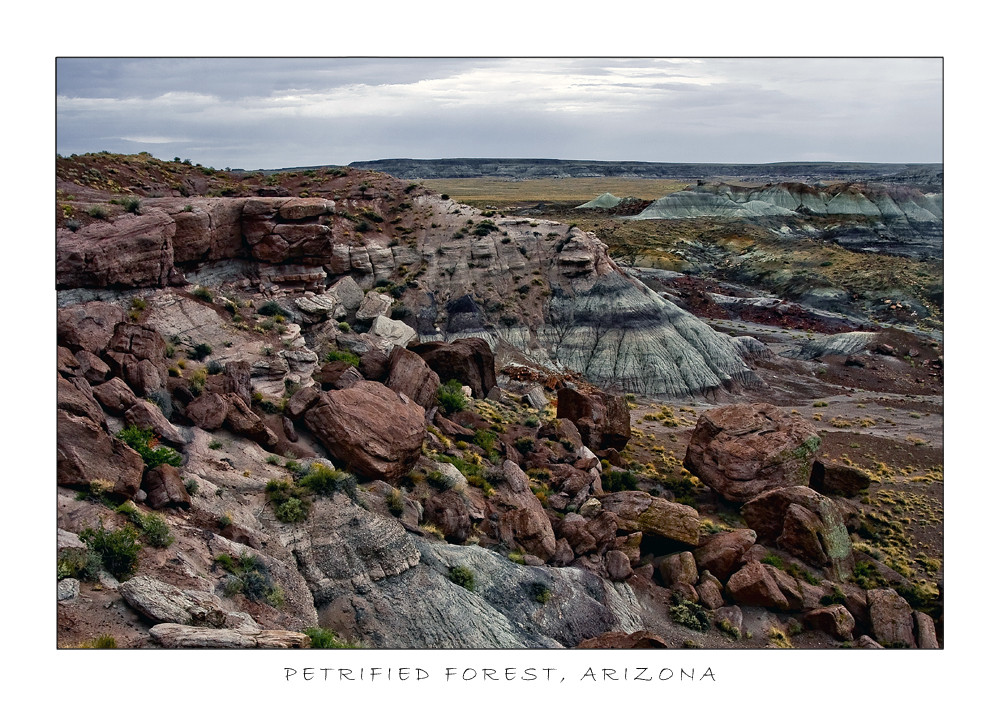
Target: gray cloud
pixel 260 113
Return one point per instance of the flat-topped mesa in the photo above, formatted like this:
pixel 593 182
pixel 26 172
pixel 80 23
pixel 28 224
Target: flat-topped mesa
pixel 549 290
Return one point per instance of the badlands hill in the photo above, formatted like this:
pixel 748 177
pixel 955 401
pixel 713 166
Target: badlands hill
pixel 328 407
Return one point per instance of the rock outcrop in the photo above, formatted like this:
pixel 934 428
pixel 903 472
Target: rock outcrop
pixel 742 450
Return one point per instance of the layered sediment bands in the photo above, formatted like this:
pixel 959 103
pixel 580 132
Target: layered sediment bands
pixel 548 289
pixel 619 333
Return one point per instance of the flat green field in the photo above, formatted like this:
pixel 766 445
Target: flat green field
pixel 497 193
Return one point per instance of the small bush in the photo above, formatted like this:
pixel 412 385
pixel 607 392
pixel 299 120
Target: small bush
pixel 531 421
pixel 271 308
pixel 191 486
pixel 727 628
pixel 524 444
pixel 394 502
pixel 462 576
pixel 291 505
pixel 72 225
pixel 79 563
pixel 118 549
pixel 104 641
pixel 154 529
pixel 142 441
pixel 325 639
pixel 343 356
pixel 344 326
pixel 451 397
pixel 325 481
pixel 540 592
pixel 250 576
pixel 201 351
pixel 97 212
pixel 214 444
pixel 440 480
pixel 690 615
pixel 618 481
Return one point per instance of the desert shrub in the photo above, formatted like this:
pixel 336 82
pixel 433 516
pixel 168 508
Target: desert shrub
pixel 343 356
pixel 97 212
pixel 531 421
pixel 249 576
pixel 214 367
pixel 321 638
pixel 214 444
pixel 344 326
pixel 141 440
pixel 191 486
pixel 836 598
pixel 525 444
pixel 325 481
pixel 451 397
pixel 273 460
pixel 201 351
pixel 290 503
pixel 118 548
pixel 691 615
pixel 775 560
pixel 462 576
pixel 440 480
pixel 72 225
pixel 104 641
pixel 540 592
pixel 79 563
pixel 154 529
pixel 729 629
pixel 485 440
pixel 867 577
pixel 271 308
pixel 618 481
pixel 225 520
pixel 394 502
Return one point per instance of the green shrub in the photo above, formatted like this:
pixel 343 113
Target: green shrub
pixel 142 441
pixel 72 224
pixel 214 367
pixel 775 560
pixel 344 326
pixel 540 592
pixel 836 598
pixel 273 460
pixel 214 444
pixel 618 481
pixel 524 444
pixel 290 503
pixel 154 529
pixel 191 486
pixel 201 351
pixel 460 575
pixel 325 481
pixel 325 639
pixel 249 576
pixel 271 308
pixel 97 212
pixel 79 563
pixel 118 549
pixel 104 641
pixel 394 502
pixel 485 440
pixel 451 397
pixel 727 628
pixel 690 615
pixel 531 421
pixel 343 356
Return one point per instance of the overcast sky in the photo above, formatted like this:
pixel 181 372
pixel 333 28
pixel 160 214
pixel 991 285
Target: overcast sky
pixel 269 113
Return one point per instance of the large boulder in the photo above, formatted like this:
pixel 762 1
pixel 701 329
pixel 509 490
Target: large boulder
pixel 754 585
pixel 742 450
pixel 653 516
pixel 88 326
pixel 143 414
pixel 115 396
pixel 517 518
pixel 161 602
pixel 804 523
pixel 835 620
pixel 76 398
pixel 86 453
pixel 165 488
pixel 208 411
pixel 720 553
pixel 244 421
pixel 377 432
pixel 835 479
pixel 410 375
pixel 602 419
pixel 132 251
pixel 891 618
pixel 469 360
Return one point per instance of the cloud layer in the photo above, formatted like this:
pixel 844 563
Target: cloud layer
pixel 267 113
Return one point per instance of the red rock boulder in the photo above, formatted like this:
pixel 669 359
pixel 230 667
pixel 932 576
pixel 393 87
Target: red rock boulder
pixel 742 450
pixel 602 419
pixel 371 428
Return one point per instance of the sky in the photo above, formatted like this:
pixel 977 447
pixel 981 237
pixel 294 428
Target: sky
pixel 271 113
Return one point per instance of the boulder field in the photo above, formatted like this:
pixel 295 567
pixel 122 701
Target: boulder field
pixel 280 428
